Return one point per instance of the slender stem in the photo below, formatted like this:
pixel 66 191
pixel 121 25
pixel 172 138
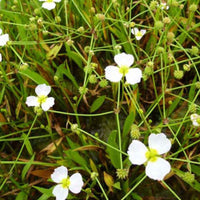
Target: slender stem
pixel 133 188
pixel 104 193
pixel 171 190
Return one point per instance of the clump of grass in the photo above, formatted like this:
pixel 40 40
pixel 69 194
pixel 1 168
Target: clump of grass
pixel 93 121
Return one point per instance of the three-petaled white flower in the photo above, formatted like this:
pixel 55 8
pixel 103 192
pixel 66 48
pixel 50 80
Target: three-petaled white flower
pixel 138 33
pixel 49 4
pixel 4 38
pixel 124 61
pixel 195 119
pixel 164 6
pixel 42 100
pixel 156 167
pixel 73 183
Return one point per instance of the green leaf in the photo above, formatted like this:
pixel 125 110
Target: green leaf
pixel 114 155
pixel 33 76
pixel 44 191
pixel 27 144
pixel 54 51
pixel 97 103
pixel 127 124
pixel 22 195
pixel 27 167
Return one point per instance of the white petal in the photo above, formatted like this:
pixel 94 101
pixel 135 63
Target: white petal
pixel 49 5
pixel 134 31
pixel 4 39
pixel 0 57
pixel 194 118
pixel 136 152
pixel 112 74
pixel 32 101
pixel 42 89
pixel 143 31
pixel 158 170
pixel 133 76
pixel 57 1
pixel 76 183
pixel 159 142
pixel 1 31
pixel 48 103
pixel 124 59
pixel 60 193
pixel 59 174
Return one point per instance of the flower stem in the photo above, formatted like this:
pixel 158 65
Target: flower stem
pixel 133 188
pixel 171 190
pixel 104 193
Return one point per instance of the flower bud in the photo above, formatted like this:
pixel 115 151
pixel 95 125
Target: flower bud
pixel 81 29
pixel 153 5
pixel 170 36
pixel 193 7
pixel 160 50
pixel 100 16
pixel 148 70
pixel 57 19
pixel 166 20
pixel 70 42
pixel 103 83
pixel 186 67
pixel 193 108
pixel 38 111
pixel 83 90
pixel 158 25
pixel 74 128
pixel 194 50
pixel 92 79
pixel 135 132
pixel 94 175
pixel 23 66
pixel 122 173
pixel 178 74
pixel 197 84
pixel 188 177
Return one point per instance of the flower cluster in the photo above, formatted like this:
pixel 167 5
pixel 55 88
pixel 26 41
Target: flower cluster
pixel 156 167
pixel 49 4
pixel 41 100
pixel 65 183
pixel 124 61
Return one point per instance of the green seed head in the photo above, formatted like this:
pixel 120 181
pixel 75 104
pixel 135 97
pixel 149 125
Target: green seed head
pixel 178 74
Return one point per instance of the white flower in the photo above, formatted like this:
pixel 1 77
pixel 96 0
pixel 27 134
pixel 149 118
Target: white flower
pixel 164 6
pixel 42 100
pixel 195 119
pixel 138 34
pixel 124 61
pixel 156 167
pixel 4 38
pixel 0 57
pixel 73 183
pixel 49 4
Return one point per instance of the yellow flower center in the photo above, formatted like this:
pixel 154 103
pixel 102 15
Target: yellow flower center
pixel 123 70
pixel 152 155
pixel 65 183
pixel 42 99
pixel 49 1
pixel 198 120
pixel 139 34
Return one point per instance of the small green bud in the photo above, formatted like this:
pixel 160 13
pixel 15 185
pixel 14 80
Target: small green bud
pixel 150 121
pixel 94 175
pixel 32 19
pixel 181 6
pixel 122 173
pixel 135 132
pixel 186 67
pixel 87 49
pixel 170 102
pixel 193 108
pixel 141 111
pixel 74 128
pixel 166 20
pixel 100 16
pixel 160 50
pixel 83 90
pixel 158 25
pixel 148 70
pixel 13 8
pixel 96 134
pixel 70 42
pixel 81 29
pixel 92 79
pixel 178 74
pixel 197 84
pixel 32 27
pixel 150 64
pixel 173 3
pixel 57 19
pixel 38 111
pixel 170 57
pixel 56 78
pixel 193 7
pixel 132 24
pixel 103 83
pixel 91 52
pixel 118 47
pixel 92 10
pixel 23 66
pixel 75 98
pixel 40 21
pixel 88 69
pixel 37 11
pixel 153 5
pixel 45 32
pixel 194 50
pixel 145 77
pixel 170 36
pixel 42 126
